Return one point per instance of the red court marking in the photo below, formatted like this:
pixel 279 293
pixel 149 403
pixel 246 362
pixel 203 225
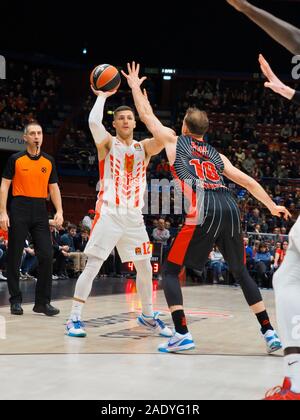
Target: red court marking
pixel 208 314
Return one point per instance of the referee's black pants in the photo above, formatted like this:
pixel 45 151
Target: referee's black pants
pixel 29 215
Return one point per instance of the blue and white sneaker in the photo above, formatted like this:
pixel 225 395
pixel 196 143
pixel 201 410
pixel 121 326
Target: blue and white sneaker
pixel 75 328
pixel 179 342
pixel 273 342
pixel 154 324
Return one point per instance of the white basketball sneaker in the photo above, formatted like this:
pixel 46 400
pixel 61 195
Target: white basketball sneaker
pixel 75 328
pixel 154 324
pixel 179 342
pixel 272 340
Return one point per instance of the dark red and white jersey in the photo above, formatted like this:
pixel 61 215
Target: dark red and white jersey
pixel 122 177
pixel 198 164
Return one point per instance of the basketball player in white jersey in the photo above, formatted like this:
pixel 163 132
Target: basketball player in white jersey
pixel 286 280
pixel 119 220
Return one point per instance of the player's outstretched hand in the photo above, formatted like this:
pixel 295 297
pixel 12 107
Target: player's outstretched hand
pixel 281 211
pixel 133 79
pixel 273 82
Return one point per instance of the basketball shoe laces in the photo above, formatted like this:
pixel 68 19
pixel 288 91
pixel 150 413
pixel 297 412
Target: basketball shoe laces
pixel 160 323
pixel 78 324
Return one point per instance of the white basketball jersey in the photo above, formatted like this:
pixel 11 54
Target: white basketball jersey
pixel 123 176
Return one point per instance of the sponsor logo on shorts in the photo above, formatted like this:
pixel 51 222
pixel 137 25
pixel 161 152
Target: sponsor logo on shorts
pixel 138 251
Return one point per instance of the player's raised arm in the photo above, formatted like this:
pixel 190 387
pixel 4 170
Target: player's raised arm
pixel 275 84
pixel 145 111
pixel 101 137
pixel 239 177
pixel 283 32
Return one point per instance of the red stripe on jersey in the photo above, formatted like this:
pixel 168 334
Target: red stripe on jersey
pixel 115 166
pixel 188 192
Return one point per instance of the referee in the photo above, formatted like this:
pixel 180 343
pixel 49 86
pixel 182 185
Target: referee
pixel 32 173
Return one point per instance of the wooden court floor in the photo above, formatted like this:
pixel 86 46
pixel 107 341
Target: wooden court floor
pixel 117 356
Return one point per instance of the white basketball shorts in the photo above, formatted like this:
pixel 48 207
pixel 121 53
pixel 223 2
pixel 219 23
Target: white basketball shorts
pixel 127 232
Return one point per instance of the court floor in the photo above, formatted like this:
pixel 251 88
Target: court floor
pixel 118 359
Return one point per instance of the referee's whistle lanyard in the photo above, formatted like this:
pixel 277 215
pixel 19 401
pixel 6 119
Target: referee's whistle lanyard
pixel 37 149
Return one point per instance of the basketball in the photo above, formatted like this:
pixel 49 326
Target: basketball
pixel 105 77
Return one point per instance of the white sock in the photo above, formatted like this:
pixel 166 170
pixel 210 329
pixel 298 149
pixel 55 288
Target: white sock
pixel 292 371
pixel 76 310
pixel 84 285
pixel 144 286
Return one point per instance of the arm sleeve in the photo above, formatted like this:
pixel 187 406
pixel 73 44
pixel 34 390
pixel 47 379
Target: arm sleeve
pixel 53 176
pixel 9 171
pixel 296 98
pixel 95 120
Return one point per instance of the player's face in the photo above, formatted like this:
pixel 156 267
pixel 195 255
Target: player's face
pixel 124 123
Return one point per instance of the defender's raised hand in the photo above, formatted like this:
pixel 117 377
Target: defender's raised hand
pixel 273 82
pixel 133 79
pixel 281 211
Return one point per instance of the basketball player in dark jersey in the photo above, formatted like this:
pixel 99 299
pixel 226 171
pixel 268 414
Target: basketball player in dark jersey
pixel 197 166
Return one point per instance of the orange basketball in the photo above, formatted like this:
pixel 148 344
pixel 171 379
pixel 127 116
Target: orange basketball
pixel 105 77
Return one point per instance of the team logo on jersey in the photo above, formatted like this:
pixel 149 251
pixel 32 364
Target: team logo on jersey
pixel 138 251
pixel 138 147
pixel 44 170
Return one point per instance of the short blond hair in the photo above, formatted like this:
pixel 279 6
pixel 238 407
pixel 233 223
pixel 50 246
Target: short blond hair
pixel 196 121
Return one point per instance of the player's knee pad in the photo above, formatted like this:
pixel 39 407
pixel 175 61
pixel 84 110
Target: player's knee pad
pixel 249 287
pixel 171 284
pixel 170 268
pixel 240 273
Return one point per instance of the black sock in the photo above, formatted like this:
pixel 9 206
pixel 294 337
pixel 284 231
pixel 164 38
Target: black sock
pixel 180 322
pixel 264 321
